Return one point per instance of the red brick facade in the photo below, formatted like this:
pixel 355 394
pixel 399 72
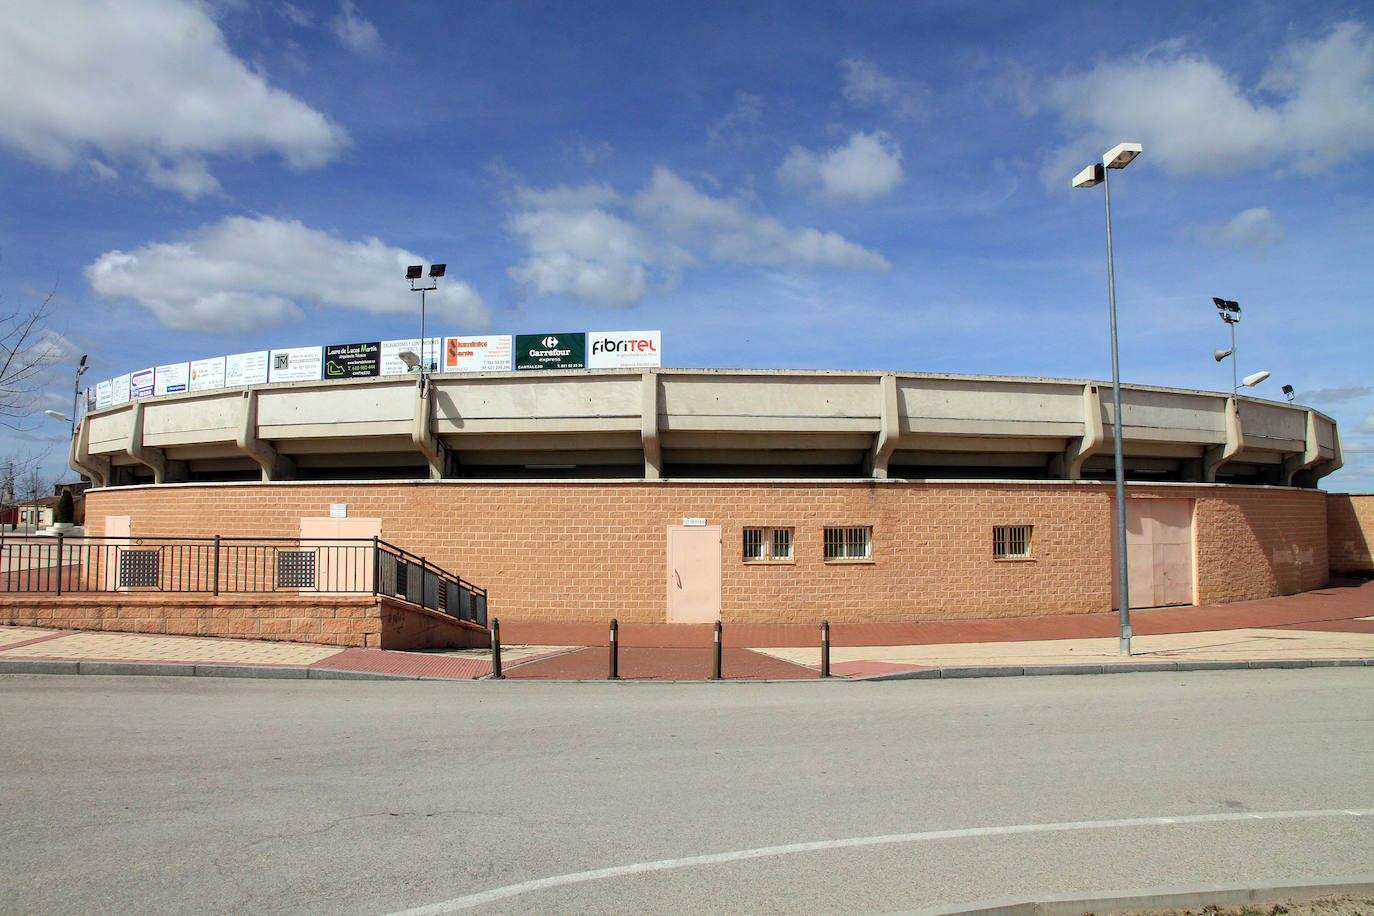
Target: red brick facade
pixel 1350 532
pixel 595 549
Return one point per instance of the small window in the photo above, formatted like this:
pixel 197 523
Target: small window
pixel 847 543
pixel 767 545
pixel 1011 542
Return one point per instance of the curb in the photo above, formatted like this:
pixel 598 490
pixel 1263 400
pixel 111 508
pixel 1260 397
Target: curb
pixel 189 669
pixel 1145 901
pixel 966 671
pixel 952 672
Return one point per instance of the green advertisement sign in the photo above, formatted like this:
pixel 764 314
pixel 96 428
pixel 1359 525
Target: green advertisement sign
pixel 551 351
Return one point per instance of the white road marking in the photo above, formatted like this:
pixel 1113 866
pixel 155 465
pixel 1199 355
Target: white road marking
pixel 717 858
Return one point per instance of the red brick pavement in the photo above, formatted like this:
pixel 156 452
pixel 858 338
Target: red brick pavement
pixel 658 664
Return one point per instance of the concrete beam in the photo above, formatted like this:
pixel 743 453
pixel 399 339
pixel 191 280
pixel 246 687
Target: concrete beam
pixel 648 426
pixel 889 429
pixel 422 430
pixel 275 466
pixel 1217 455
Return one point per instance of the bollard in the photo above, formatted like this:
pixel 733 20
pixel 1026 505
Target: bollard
pixel 496 650
pixel 825 648
pixel 615 653
pixel 715 666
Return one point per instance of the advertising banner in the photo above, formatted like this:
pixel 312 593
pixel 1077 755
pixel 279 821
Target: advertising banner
pixel 104 394
pixel 551 351
pixel 245 369
pixel 391 362
pixel 141 383
pixel 207 373
pixel 624 350
pixel 295 364
pixel 171 379
pixel 484 353
pixel 359 360
pixel 120 389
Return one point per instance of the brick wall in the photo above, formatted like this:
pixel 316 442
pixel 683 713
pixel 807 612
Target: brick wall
pixel 331 621
pixel 1350 532
pixel 591 550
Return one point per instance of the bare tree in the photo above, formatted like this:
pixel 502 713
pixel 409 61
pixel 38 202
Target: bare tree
pixel 25 357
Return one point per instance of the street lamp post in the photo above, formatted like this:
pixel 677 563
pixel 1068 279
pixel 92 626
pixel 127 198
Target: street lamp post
pixel 413 273
pixel 1118 157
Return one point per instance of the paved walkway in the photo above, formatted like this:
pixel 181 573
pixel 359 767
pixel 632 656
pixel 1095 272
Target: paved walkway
pixel 1334 625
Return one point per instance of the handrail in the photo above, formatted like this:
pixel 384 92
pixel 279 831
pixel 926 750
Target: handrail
pixel 235 565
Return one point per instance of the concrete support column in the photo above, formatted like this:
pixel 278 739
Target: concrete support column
pixel 1069 466
pixel 1217 455
pixel 1311 453
pixel 81 460
pixel 154 458
pixel 422 430
pixel 889 429
pixel 648 426
pixel 275 466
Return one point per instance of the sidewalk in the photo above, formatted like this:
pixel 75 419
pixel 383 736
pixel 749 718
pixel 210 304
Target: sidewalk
pixel 1330 626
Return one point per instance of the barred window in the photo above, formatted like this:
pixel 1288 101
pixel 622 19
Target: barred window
pixel 1011 542
pixel 848 543
pixel 764 545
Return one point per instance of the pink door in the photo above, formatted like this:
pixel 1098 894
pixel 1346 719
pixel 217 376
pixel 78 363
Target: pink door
pixel 693 574
pixel 1159 552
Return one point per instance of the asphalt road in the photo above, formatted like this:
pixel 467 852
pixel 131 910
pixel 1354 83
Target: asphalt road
pixel 175 795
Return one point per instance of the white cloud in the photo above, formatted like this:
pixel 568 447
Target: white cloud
pixel 866 167
pixel 150 82
pixel 1367 425
pixel 355 31
pixel 742 124
pixel 595 245
pixel 867 87
pixel 1313 109
pixel 1337 394
pixel 1255 229
pixel 246 272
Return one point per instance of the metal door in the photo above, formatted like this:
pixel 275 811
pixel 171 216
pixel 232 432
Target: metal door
pixel 1159 552
pixel 693 573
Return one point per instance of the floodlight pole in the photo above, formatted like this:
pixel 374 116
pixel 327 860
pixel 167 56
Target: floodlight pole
pixel 76 390
pixel 1123 585
pixel 434 284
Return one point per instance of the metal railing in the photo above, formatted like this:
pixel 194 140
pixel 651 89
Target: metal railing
pixel 231 565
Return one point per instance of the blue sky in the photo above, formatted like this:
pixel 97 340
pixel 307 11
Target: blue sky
pixel 774 185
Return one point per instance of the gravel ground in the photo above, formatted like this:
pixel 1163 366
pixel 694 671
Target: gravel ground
pixel 1341 905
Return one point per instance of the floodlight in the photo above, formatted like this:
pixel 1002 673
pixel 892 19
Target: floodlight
pixel 1120 156
pixel 413 271
pixel 1250 381
pixel 437 270
pixel 1219 355
pixel 1288 392
pixel 1227 305
pixel 1090 177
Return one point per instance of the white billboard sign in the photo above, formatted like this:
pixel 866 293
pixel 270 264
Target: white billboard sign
pixel 242 369
pixel 171 379
pixel 391 362
pixel 104 394
pixel 120 389
pixel 624 349
pixel 207 373
pixel 141 383
pixel 483 353
pixel 295 364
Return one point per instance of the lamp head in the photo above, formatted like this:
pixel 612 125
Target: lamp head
pixel 1090 177
pixel 1120 156
pixel 1226 305
pixel 437 270
pixel 1219 355
pixel 1250 381
pixel 409 358
pixel 1288 392
pixel 413 272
